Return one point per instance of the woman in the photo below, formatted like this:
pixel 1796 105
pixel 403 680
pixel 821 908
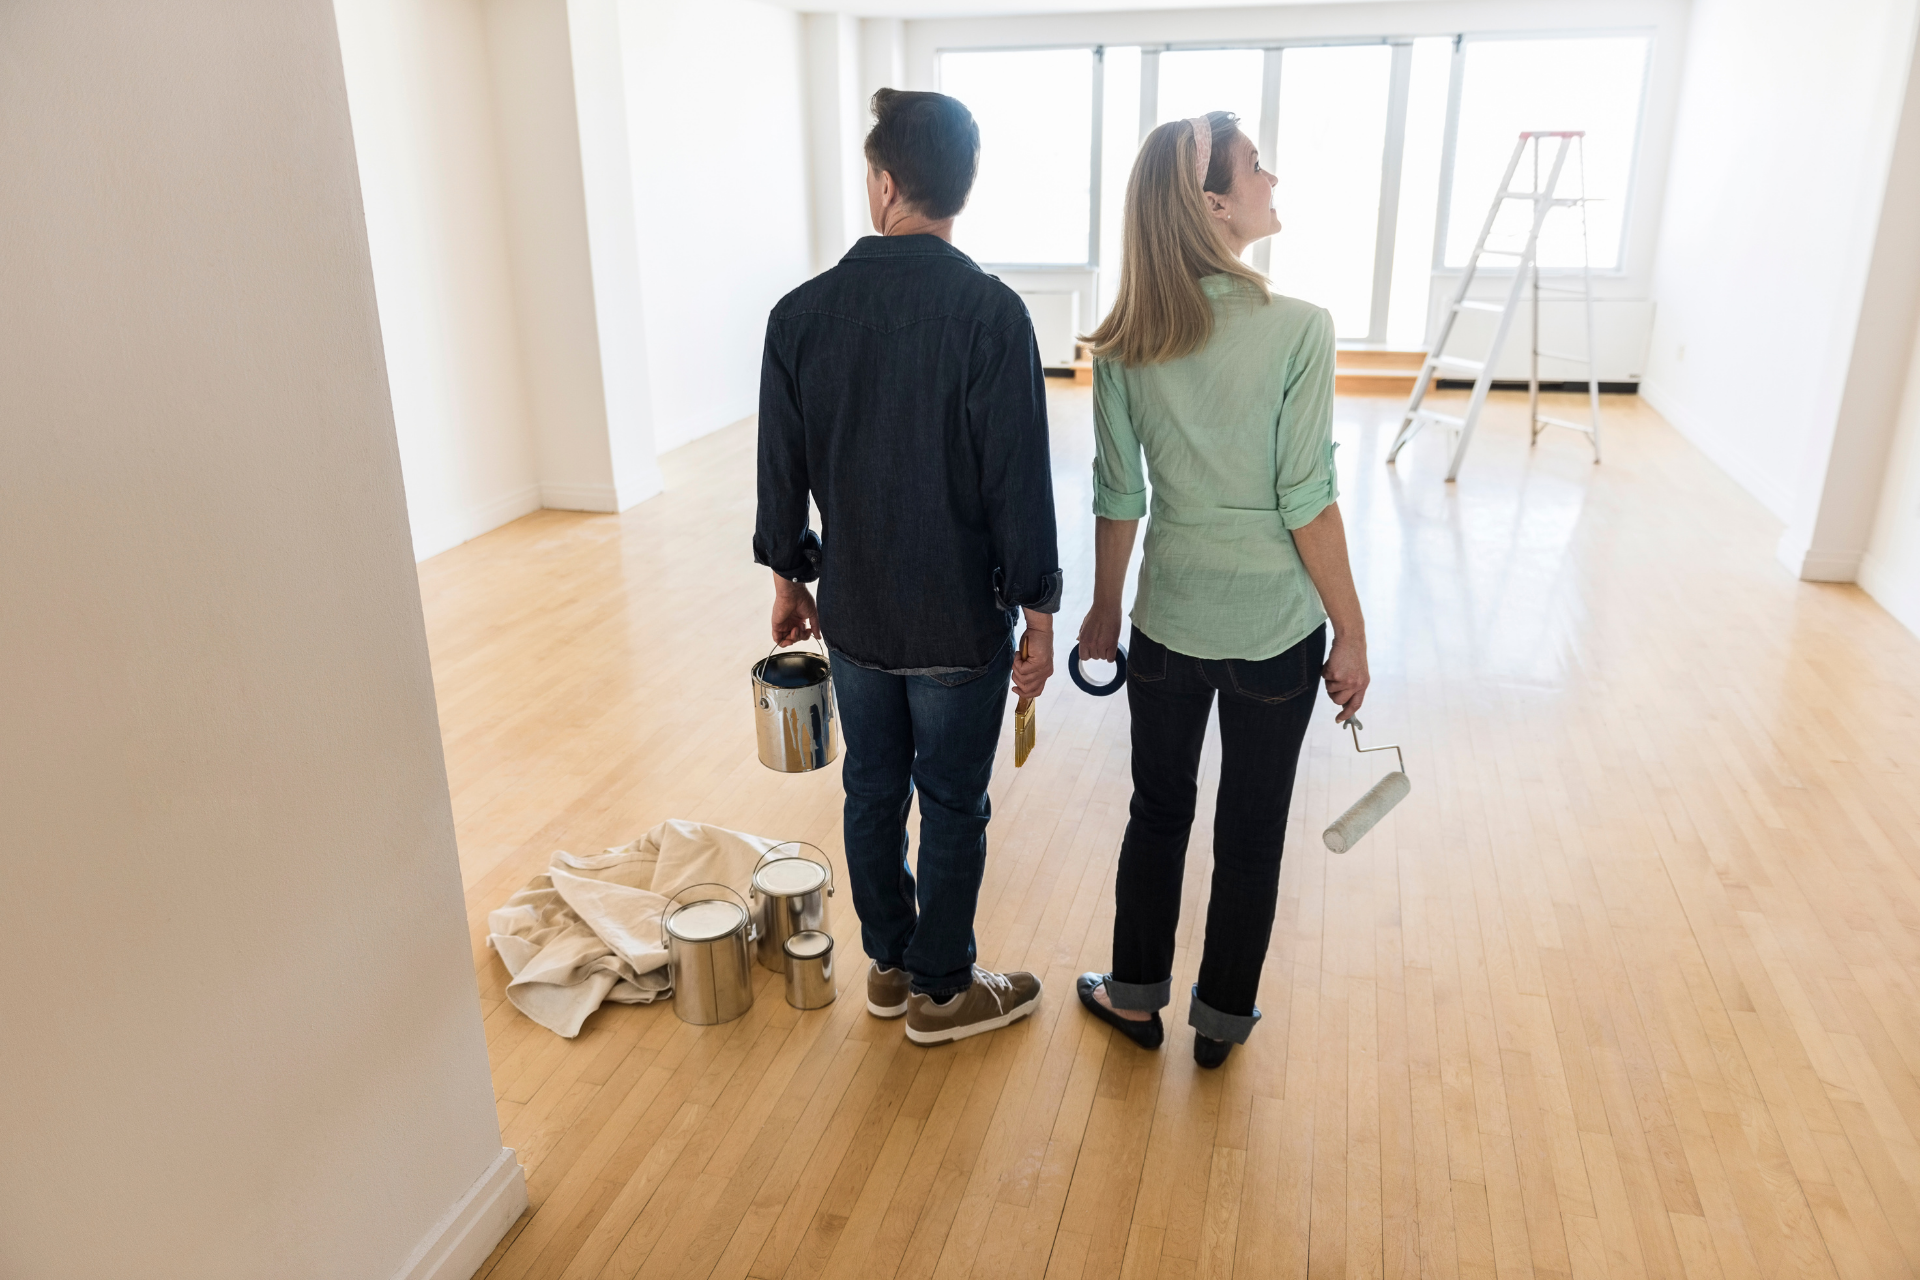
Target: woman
pixel 1227 388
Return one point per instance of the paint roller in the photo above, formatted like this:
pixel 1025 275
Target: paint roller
pixel 1371 807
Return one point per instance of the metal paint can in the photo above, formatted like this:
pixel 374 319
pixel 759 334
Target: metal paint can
pixel 793 716
pixel 810 983
pixel 706 942
pixel 788 896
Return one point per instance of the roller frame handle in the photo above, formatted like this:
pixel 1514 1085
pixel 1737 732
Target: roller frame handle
pixel 1365 813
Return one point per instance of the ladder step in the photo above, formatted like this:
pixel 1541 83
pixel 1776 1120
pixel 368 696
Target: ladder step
pixel 1570 425
pixel 1561 355
pixel 1474 305
pixel 1530 195
pixel 1459 362
pixel 1452 420
pixel 1503 253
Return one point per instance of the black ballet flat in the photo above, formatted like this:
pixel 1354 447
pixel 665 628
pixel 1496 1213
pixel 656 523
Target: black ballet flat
pixel 1209 1052
pixel 1147 1035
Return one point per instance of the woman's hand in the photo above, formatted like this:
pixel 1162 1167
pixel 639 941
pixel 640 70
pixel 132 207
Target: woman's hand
pixel 1031 671
pixel 1100 633
pixel 795 617
pixel 1346 675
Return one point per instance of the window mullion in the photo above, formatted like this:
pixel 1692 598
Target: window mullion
pixel 1269 141
pixel 1391 155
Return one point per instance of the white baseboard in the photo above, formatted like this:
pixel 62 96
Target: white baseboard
pixel 475 521
pixel 461 1240
pixel 580 497
pixel 1898 594
pixel 1808 565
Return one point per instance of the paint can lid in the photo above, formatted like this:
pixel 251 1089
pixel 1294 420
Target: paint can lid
pixel 808 943
pixel 706 921
pixel 789 877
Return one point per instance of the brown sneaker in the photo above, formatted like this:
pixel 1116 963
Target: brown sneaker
pixel 993 1001
pixel 886 991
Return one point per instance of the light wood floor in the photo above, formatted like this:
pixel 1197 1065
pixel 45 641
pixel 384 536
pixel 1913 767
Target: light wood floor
pixel 1629 986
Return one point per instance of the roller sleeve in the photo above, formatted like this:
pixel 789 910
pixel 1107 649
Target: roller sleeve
pixel 1366 811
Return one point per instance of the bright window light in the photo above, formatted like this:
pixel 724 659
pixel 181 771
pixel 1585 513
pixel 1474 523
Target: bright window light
pixel 1032 203
pixel 1509 86
pixel 1196 81
pixel 1119 144
pixel 1333 129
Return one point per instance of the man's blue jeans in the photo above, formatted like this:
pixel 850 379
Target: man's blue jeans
pixel 936 734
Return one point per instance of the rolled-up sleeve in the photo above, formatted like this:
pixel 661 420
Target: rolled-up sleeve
pixel 1119 480
pixel 1305 481
pixel 781 538
pixel 1007 409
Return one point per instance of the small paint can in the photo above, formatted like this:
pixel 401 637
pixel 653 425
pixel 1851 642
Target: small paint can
pixel 810 983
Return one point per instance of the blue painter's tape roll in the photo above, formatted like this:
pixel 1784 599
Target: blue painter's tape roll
pixel 1099 690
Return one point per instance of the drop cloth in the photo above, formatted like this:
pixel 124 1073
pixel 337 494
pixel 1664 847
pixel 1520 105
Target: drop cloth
pixel 588 929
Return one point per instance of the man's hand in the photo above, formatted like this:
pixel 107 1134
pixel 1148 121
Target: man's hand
pixel 1100 633
pixel 1030 673
pixel 1346 676
pixel 794 616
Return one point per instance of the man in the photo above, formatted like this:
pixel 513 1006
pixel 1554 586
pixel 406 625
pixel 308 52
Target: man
pixel 902 389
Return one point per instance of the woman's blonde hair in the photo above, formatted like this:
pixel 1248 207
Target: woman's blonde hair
pixel 1168 241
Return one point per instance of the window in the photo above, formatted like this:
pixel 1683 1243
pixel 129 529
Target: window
pixel 1332 135
pixel 1387 151
pixel 1508 86
pixel 1032 202
pixel 1196 81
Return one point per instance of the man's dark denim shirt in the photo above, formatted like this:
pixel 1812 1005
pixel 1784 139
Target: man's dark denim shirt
pixel 903 389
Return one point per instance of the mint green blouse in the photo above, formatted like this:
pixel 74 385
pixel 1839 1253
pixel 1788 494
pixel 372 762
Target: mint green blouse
pixel 1238 444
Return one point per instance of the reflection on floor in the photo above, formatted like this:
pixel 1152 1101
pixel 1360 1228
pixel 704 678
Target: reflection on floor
pixel 1630 985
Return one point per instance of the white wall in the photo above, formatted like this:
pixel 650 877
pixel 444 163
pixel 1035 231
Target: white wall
pixel 1773 210
pixel 837 125
pixel 419 86
pixel 718 130
pixel 1891 569
pixel 594 447
pixel 241 1036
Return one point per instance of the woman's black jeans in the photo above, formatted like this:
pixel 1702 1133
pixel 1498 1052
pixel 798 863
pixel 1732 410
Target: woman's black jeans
pixel 1264 708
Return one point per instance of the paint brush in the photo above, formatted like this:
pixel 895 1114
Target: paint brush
pixel 1025 729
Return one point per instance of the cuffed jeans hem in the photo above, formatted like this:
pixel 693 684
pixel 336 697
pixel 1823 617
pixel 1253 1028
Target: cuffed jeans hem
pixel 1139 997
pixel 1215 1025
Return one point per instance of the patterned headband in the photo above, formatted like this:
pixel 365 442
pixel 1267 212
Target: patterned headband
pixel 1202 146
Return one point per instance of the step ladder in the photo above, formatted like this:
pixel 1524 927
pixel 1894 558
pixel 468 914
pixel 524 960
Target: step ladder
pixel 1545 199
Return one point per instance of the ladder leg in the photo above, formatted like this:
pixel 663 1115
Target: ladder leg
pixel 1533 365
pixel 1521 270
pixel 1409 424
pixel 1472 417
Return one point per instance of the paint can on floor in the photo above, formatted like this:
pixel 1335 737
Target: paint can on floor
pixel 706 942
pixel 793 718
pixel 788 896
pixel 810 983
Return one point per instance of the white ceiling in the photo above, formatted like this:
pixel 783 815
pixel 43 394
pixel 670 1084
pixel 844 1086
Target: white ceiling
pixel 999 8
